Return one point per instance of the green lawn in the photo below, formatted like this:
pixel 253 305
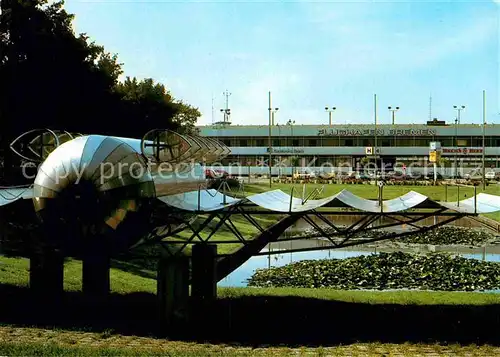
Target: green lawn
pixel 248 306
pixel 15 271
pixel 427 306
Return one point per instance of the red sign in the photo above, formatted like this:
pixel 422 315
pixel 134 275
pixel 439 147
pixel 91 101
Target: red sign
pixel 463 151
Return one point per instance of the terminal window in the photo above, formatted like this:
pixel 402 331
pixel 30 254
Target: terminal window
pixel 313 142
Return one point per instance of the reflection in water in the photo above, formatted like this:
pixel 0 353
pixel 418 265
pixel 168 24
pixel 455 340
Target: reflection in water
pixel 347 220
pixel 244 272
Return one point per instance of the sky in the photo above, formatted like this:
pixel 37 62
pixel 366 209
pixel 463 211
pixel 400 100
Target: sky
pixel 309 54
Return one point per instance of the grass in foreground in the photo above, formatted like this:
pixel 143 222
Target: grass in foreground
pixel 122 346
pixel 15 271
pixel 247 321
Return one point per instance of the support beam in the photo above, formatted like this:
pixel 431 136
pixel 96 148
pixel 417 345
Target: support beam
pixel 47 273
pixel 203 288
pixel 96 269
pixel 204 275
pixel 173 292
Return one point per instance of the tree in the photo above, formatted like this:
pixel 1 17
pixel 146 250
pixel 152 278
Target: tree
pixel 155 107
pixel 50 78
pixel 149 103
pixel 186 117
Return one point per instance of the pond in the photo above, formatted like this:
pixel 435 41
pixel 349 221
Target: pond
pixel 239 277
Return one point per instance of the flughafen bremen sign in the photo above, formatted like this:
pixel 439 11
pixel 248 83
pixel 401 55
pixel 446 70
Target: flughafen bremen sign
pixel 380 132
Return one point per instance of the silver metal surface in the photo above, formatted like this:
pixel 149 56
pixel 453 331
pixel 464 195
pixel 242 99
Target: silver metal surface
pixel 279 201
pixel 168 146
pixel 105 170
pixel 485 203
pixel 200 200
pixel 402 203
pixel 164 145
pixel 183 178
pixel 407 201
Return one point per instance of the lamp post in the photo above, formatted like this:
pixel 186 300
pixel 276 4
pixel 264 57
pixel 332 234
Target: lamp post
pixel 459 109
pixel 330 111
pixel 279 140
pixel 226 111
pixel 456 147
pixel 271 122
pixel 376 129
pixel 290 122
pixel 484 129
pixel 272 115
pixel 393 110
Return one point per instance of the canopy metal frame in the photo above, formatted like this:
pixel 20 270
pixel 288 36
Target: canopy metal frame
pixel 338 236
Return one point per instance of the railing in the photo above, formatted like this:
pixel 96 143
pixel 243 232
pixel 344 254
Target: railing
pixel 458 185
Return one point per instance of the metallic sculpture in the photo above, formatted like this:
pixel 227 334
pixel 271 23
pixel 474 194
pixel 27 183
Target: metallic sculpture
pixel 95 185
pixel 104 186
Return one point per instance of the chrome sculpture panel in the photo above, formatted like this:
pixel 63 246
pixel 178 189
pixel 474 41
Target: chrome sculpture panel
pixel 279 201
pixel 168 146
pixel 201 201
pixel 92 173
pixel 481 203
pixel 402 203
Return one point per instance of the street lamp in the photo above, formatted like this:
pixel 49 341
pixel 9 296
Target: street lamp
pixel 456 147
pixel 226 113
pixel 484 128
pixel 459 109
pixel 330 111
pixel 272 114
pixel 279 157
pixel 271 123
pixel 393 110
pixel 291 122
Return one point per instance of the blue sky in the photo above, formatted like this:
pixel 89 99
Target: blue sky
pixel 309 55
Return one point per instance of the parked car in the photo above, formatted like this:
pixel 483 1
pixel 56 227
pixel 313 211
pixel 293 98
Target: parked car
pixel 490 175
pixel 215 173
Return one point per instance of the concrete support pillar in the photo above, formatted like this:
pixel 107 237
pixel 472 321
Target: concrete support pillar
pixel 203 289
pixel 47 273
pixel 96 269
pixel 173 292
pixel 204 274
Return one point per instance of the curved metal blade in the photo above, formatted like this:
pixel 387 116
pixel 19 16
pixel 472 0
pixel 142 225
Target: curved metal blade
pixel 35 145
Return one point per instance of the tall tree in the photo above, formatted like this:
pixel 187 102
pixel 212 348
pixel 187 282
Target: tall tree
pixel 186 117
pixel 155 107
pixel 50 78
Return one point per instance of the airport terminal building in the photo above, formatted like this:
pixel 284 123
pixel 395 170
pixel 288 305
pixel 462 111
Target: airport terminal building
pixel 351 146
